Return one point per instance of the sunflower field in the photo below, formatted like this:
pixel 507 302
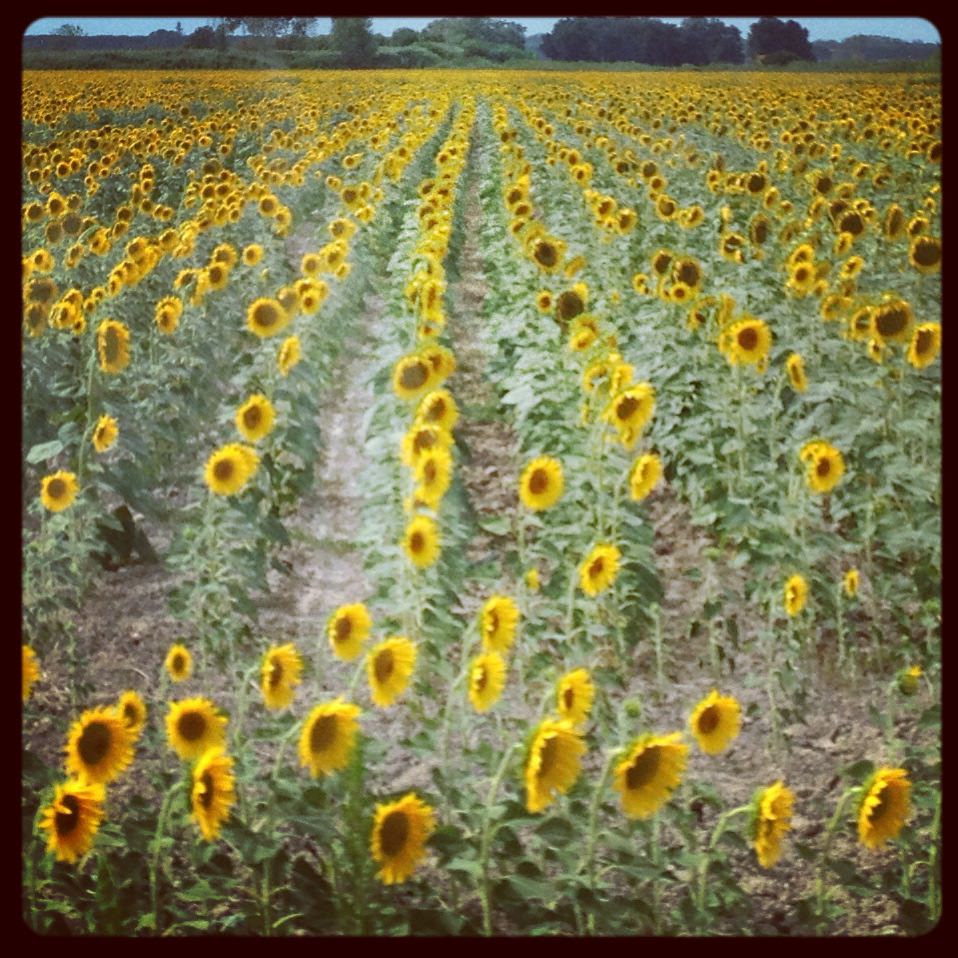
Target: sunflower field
pixel 481 503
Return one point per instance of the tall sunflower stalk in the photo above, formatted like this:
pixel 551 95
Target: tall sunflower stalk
pixel 701 891
pixel 850 794
pixel 488 832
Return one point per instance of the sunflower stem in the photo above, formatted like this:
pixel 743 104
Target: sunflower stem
pixel 849 793
pixel 161 823
pixel 589 859
pixel 655 854
pixel 447 710
pixel 281 751
pixel 485 890
pixel 717 833
pixel 933 902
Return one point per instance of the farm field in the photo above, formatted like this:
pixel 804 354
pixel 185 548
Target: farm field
pixel 464 502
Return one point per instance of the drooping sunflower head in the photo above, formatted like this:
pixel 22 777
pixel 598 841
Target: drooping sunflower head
pixel 438 408
pixel 31 670
pixel 541 483
pixel 574 696
pixel 645 475
pixel 553 762
pixel 179 663
pixel 795 367
pixel 925 345
pixel 58 491
pixel 487 679
pixel 421 542
pixel 771 816
pixel 328 737
pixel 348 628
pixel 498 621
pixel 651 770
pixel 599 569
pixel 193 726
pixel 389 667
pixel 281 671
pixel 213 791
pixel 255 418
pixel 167 314
pixel 132 709
pixel 715 722
pixel 72 819
pixel 288 355
pixel 266 317
pixel 100 746
pixel 400 832
pixel 796 594
pixel 884 807
pixel 113 346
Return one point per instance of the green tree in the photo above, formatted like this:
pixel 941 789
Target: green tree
pixel 352 37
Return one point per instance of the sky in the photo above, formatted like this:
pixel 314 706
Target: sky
pixel 819 28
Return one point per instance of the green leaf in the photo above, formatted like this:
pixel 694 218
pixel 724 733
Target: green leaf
pixel 497 525
pixel 859 770
pixel 44 450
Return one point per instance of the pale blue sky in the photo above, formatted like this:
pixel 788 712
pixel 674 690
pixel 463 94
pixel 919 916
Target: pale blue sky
pixel 819 28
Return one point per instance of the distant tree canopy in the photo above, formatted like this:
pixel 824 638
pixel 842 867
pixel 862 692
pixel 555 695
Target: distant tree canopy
pixel 771 38
pixel 481 29
pixel 352 38
pixel 698 41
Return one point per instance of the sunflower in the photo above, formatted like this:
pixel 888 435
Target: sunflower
pixel 113 346
pixel 631 409
pixel 925 345
pixel 179 663
pixel 288 355
pixel 255 417
pixel 282 667
pixel 230 468
pixel 265 317
pixel 497 623
pixel 252 254
pixel 749 341
pixel 571 303
pixel 715 722
pixel 645 475
pixel 328 737
pixel 167 314
pixel 73 818
pixel 825 466
pixel 892 322
pixel 544 301
pixel 31 670
pixel 547 254
pixel 420 439
pixel 552 762
pixel 796 594
pixel 105 433
pixel 389 667
pixel 884 807
pixel 771 815
pixel 532 579
pixel 58 491
pixel 574 696
pixel 348 628
pixel 421 541
pixel 193 726
pixel 801 278
pixel 924 254
pixel 412 376
pixel 541 483
pixel 795 367
pixel 439 409
pixel 651 771
pixel 433 475
pixel 850 583
pixel 100 746
pixel 908 680
pixel 132 709
pixel 599 569
pixel 487 679
pixel 213 793
pixel 400 832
